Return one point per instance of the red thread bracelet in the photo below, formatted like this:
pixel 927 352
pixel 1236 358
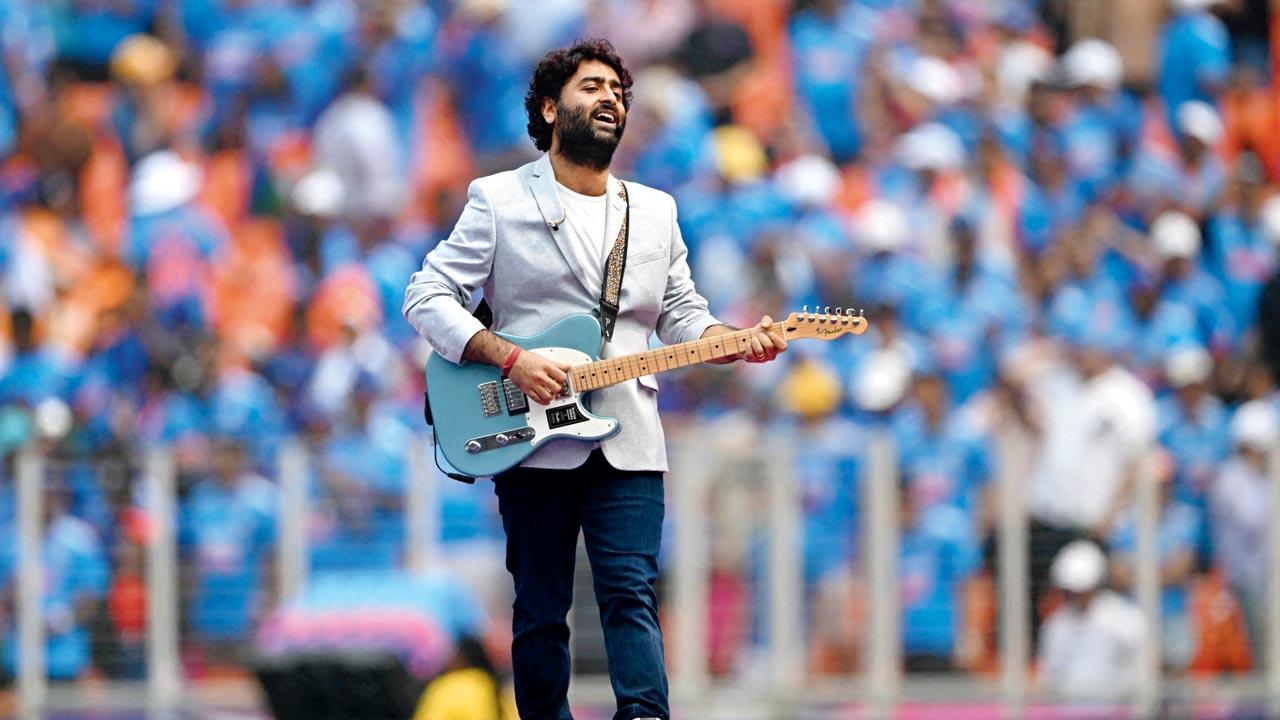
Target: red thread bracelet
pixel 510 361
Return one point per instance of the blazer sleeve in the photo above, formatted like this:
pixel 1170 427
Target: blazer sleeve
pixel 684 314
pixel 436 301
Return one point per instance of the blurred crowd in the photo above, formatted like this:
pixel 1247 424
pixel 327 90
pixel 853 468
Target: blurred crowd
pixel 1059 218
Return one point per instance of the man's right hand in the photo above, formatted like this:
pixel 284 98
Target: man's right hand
pixel 538 377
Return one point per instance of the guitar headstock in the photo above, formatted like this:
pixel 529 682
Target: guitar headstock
pixel 825 325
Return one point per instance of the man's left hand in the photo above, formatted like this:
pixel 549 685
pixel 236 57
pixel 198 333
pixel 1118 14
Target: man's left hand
pixel 766 342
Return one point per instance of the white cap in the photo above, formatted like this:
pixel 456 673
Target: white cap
pixel 1189 5
pixel 1199 120
pixel 1174 235
pixel 1255 425
pixel 320 193
pixel 932 146
pixel 882 380
pixel 1079 567
pixel 1270 215
pixel 163 181
pixel 1187 364
pixel 935 79
pixel 809 180
pixel 881 226
pixel 1020 65
pixel 1094 62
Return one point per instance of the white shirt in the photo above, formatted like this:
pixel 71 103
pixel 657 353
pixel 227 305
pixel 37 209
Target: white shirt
pixel 584 228
pixel 1238 509
pixel 1094 431
pixel 1093 654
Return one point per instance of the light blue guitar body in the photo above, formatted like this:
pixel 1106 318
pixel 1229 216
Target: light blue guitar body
pixel 484 424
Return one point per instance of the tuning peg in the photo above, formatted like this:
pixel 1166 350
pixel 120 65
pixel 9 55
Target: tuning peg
pixel 827 311
pixel 804 310
pixel 839 311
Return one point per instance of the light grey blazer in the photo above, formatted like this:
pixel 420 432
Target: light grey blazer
pixel 506 243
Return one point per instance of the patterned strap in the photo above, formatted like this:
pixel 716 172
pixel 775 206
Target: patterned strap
pixel 614 268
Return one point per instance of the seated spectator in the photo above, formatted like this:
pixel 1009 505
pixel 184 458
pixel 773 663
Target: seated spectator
pixel 1089 648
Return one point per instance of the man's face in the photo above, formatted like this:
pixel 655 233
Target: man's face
pixel 589 118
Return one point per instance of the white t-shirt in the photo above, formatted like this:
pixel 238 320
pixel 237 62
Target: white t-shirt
pixel 1094 431
pixel 1093 654
pixel 584 228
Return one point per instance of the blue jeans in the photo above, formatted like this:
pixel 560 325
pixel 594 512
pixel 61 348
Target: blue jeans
pixel 620 515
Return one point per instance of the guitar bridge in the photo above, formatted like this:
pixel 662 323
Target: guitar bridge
pixel 489 404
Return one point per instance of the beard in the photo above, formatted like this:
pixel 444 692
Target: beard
pixel 581 143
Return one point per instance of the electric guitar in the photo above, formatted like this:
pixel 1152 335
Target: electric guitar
pixel 484 424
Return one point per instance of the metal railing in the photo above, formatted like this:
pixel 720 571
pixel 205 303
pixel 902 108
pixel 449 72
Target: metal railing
pixel 762 476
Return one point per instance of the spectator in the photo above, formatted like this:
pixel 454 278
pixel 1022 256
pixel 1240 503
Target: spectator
pixel 75 576
pixel 1188 289
pixel 356 138
pixel 938 553
pixel 717 53
pixel 829 44
pixel 228 527
pixel 1238 508
pixel 1191 176
pixel 1089 649
pixel 1098 421
pixel 1178 533
pixel 945 458
pixel 1193 423
pixel 1104 131
pixel 1242 240
pixel 1194 56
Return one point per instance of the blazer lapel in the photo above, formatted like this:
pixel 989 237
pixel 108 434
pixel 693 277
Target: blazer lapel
pixel 543 184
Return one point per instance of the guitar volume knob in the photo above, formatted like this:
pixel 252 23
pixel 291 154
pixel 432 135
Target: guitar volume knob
pixel 501 439
pixel 473 446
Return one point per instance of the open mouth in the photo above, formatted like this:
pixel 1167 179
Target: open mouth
pixel 606 116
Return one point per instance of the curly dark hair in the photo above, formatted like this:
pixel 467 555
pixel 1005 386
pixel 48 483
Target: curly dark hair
pixel 554 70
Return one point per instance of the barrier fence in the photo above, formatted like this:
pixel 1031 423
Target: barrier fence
pixel 761 620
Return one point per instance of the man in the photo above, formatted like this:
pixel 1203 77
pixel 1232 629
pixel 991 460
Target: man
pixel 1090 645
pixel 536 240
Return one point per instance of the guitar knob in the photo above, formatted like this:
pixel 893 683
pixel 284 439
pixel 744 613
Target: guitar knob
pixel 473 446
pixel 501 439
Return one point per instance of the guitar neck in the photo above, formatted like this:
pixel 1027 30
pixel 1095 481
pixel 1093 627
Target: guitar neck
pixel 603 373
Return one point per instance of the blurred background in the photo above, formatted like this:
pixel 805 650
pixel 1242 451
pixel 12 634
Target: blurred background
pixel 1043 484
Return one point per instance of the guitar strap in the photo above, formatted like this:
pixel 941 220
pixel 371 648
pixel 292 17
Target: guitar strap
pixel 614 268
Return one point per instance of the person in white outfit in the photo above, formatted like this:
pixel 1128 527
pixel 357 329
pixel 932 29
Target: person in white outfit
pixel 1089 647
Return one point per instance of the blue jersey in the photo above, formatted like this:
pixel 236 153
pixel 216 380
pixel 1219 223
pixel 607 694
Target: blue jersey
pixel 1195 57
pixel 1243 259
pixel 828 55
pixel 228 530
pixel 1199 439
pixel 1178 531
pixel 75 567
pixel 938 553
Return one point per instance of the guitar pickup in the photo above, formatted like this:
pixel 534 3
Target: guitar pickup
pixel 489 404
pixel 517 403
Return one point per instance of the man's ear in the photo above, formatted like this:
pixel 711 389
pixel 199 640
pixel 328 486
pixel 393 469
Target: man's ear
pixel 549 110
